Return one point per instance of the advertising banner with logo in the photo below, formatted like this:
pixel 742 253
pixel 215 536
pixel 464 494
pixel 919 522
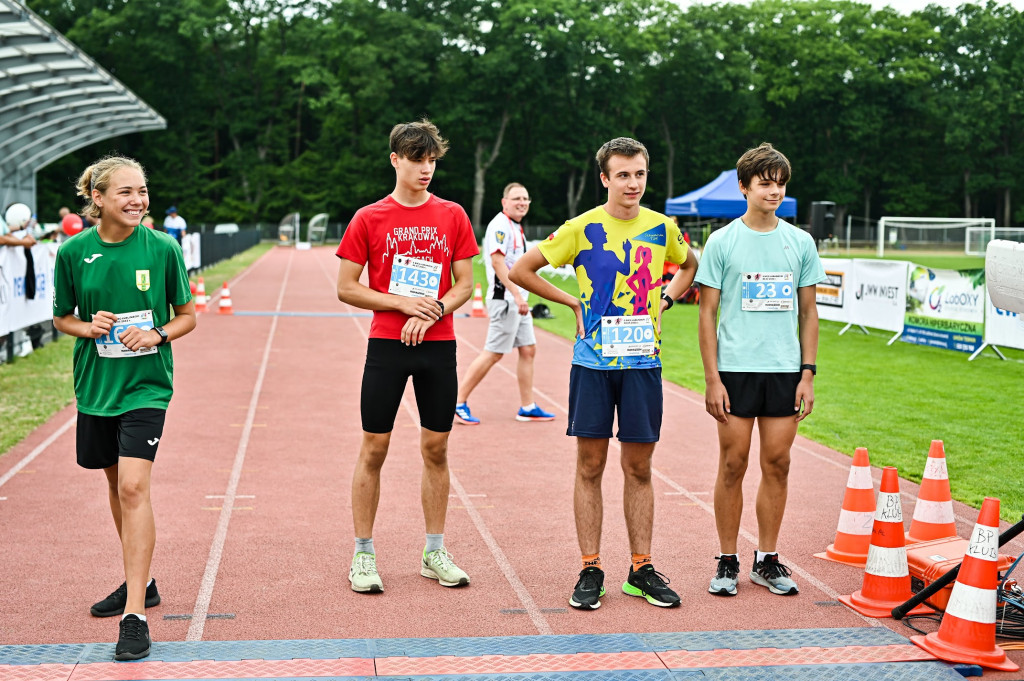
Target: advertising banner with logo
pixel 1002 327
pixel 945 308
pixel 879 294
pixel 832 295
pixel 17 310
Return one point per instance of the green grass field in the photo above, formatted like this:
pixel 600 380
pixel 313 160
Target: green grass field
pixel 893 399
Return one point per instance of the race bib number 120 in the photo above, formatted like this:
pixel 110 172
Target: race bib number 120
pixel 627 336
pixel 767 291
pixel 110 346
pixel 414 278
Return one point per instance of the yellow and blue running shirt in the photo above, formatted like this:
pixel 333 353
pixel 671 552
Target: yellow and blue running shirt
pixel 618 265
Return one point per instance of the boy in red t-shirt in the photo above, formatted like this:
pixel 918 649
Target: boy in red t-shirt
pixel 418 250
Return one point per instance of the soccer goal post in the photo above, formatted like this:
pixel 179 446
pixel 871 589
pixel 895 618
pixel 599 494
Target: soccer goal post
pixel 924 233
pixel 977 238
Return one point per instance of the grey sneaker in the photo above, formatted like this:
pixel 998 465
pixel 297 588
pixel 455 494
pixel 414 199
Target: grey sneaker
pixel 439 565
pixel 363 574
pixel 774 575
pixel 724 581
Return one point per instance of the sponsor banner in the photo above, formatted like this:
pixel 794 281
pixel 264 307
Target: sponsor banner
pixel 945 308
pixel 832 295
pixel 1002 327
pixel 879 293
pixel 17 310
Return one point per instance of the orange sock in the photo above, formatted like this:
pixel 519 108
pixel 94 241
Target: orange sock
pixel 592 561
pixel 641 559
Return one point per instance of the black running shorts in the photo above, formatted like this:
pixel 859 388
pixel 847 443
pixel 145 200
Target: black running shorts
pixel 101 440
pixel 389 364
pixel 757 394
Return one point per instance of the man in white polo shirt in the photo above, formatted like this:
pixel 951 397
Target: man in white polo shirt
pixel 511 324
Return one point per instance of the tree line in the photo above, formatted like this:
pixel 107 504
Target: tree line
pixel 275 106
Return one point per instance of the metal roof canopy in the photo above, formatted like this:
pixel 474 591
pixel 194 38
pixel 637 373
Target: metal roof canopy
pixel 54 99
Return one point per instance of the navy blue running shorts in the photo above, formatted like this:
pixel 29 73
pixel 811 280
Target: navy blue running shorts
pixel 101 440
pixel 760 394
pixel 389 365
pixel 595 395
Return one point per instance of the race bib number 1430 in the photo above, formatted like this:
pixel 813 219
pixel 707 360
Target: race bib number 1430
pixel 414 278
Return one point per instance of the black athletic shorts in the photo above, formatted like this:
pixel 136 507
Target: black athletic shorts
pixel 389 364
pixel 101 440
pixel 755 394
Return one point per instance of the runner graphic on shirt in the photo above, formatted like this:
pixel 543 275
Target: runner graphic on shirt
pixel 641 282
pixel 601 267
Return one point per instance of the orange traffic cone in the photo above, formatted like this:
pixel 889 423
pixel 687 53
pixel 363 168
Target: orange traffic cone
pixel 968 630
pixel 933 513
pixel 201 296
pixel 853 536
pixel 886 575
pixel 225 300
pixel 478 303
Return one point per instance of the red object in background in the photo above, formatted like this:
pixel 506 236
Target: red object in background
pixel 71 224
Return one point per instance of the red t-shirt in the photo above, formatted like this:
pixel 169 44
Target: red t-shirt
pixel 438 231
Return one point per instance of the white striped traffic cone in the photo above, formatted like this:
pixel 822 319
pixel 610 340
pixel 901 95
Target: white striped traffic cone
pixel 200 296
pixel 225 301
pixel 933 513
pixel 886 575
pixel 856 518
pixel 968 630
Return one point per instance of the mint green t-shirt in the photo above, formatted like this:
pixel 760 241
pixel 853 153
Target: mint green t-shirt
pixel 144 272
pixel 758 340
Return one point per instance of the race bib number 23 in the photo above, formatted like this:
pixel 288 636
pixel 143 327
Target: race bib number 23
pixel 767 291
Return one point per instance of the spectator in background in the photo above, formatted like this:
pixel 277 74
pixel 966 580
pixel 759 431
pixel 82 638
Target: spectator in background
pixel 148 222
pixel 174 224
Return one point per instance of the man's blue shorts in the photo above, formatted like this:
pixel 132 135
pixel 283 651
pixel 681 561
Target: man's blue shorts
pixel 595 394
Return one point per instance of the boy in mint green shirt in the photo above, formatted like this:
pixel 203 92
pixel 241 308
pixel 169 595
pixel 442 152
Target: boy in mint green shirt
pixel 757 277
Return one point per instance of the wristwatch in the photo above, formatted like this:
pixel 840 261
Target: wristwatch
pixel 163 335
pixel 668 299
pixel 813 368
pixel 442 306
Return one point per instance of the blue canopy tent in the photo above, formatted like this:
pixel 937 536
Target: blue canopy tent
pixel 720 198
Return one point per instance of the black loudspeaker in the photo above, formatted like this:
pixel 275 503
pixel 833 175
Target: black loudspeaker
pixel 823 219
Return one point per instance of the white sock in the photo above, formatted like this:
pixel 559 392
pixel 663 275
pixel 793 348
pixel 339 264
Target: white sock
pixel 141 617
pixel 531 405
pixel 762 554
pixel 149 582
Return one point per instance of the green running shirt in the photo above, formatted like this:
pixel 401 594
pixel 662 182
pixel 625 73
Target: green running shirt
pixel 146 271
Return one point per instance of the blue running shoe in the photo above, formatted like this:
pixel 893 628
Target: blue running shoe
pixel 463 416
pixel 534 414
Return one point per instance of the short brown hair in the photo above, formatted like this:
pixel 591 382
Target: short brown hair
pixel 620 146
pixel 97 176
pixel 509 187
pixel 418 140
pixel 763 161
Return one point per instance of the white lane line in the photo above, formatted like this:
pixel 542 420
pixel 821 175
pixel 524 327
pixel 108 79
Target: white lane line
pixel 202 606
pixel 522 593
pixel 40 448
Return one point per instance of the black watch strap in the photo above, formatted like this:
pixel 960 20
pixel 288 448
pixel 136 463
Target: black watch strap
pixel 668 299
pixel 442 307
pixel 813 368
pixel 163 335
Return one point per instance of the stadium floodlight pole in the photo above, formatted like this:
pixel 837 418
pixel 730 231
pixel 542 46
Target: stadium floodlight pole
pixel 900 611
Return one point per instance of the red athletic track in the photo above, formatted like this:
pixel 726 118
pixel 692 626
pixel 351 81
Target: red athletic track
pixel 251 492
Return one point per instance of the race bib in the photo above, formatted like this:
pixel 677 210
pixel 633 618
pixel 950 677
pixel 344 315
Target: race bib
pixel 627 336
pixel 110 346
pixel 767 291
pixel 414 278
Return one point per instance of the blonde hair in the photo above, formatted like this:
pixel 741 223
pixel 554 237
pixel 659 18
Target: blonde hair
pixel 97 176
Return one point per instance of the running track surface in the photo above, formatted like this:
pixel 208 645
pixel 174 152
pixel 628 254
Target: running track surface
pixel 254 532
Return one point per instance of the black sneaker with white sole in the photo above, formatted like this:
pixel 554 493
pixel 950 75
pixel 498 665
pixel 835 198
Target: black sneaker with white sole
pixel 115 602
pixel 589 589
pixel 133 642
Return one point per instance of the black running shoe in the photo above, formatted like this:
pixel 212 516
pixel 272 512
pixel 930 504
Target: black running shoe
pixel 133 640
pixel 115 602
pixel 774 575
pixel 589 589
pixel 650 584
